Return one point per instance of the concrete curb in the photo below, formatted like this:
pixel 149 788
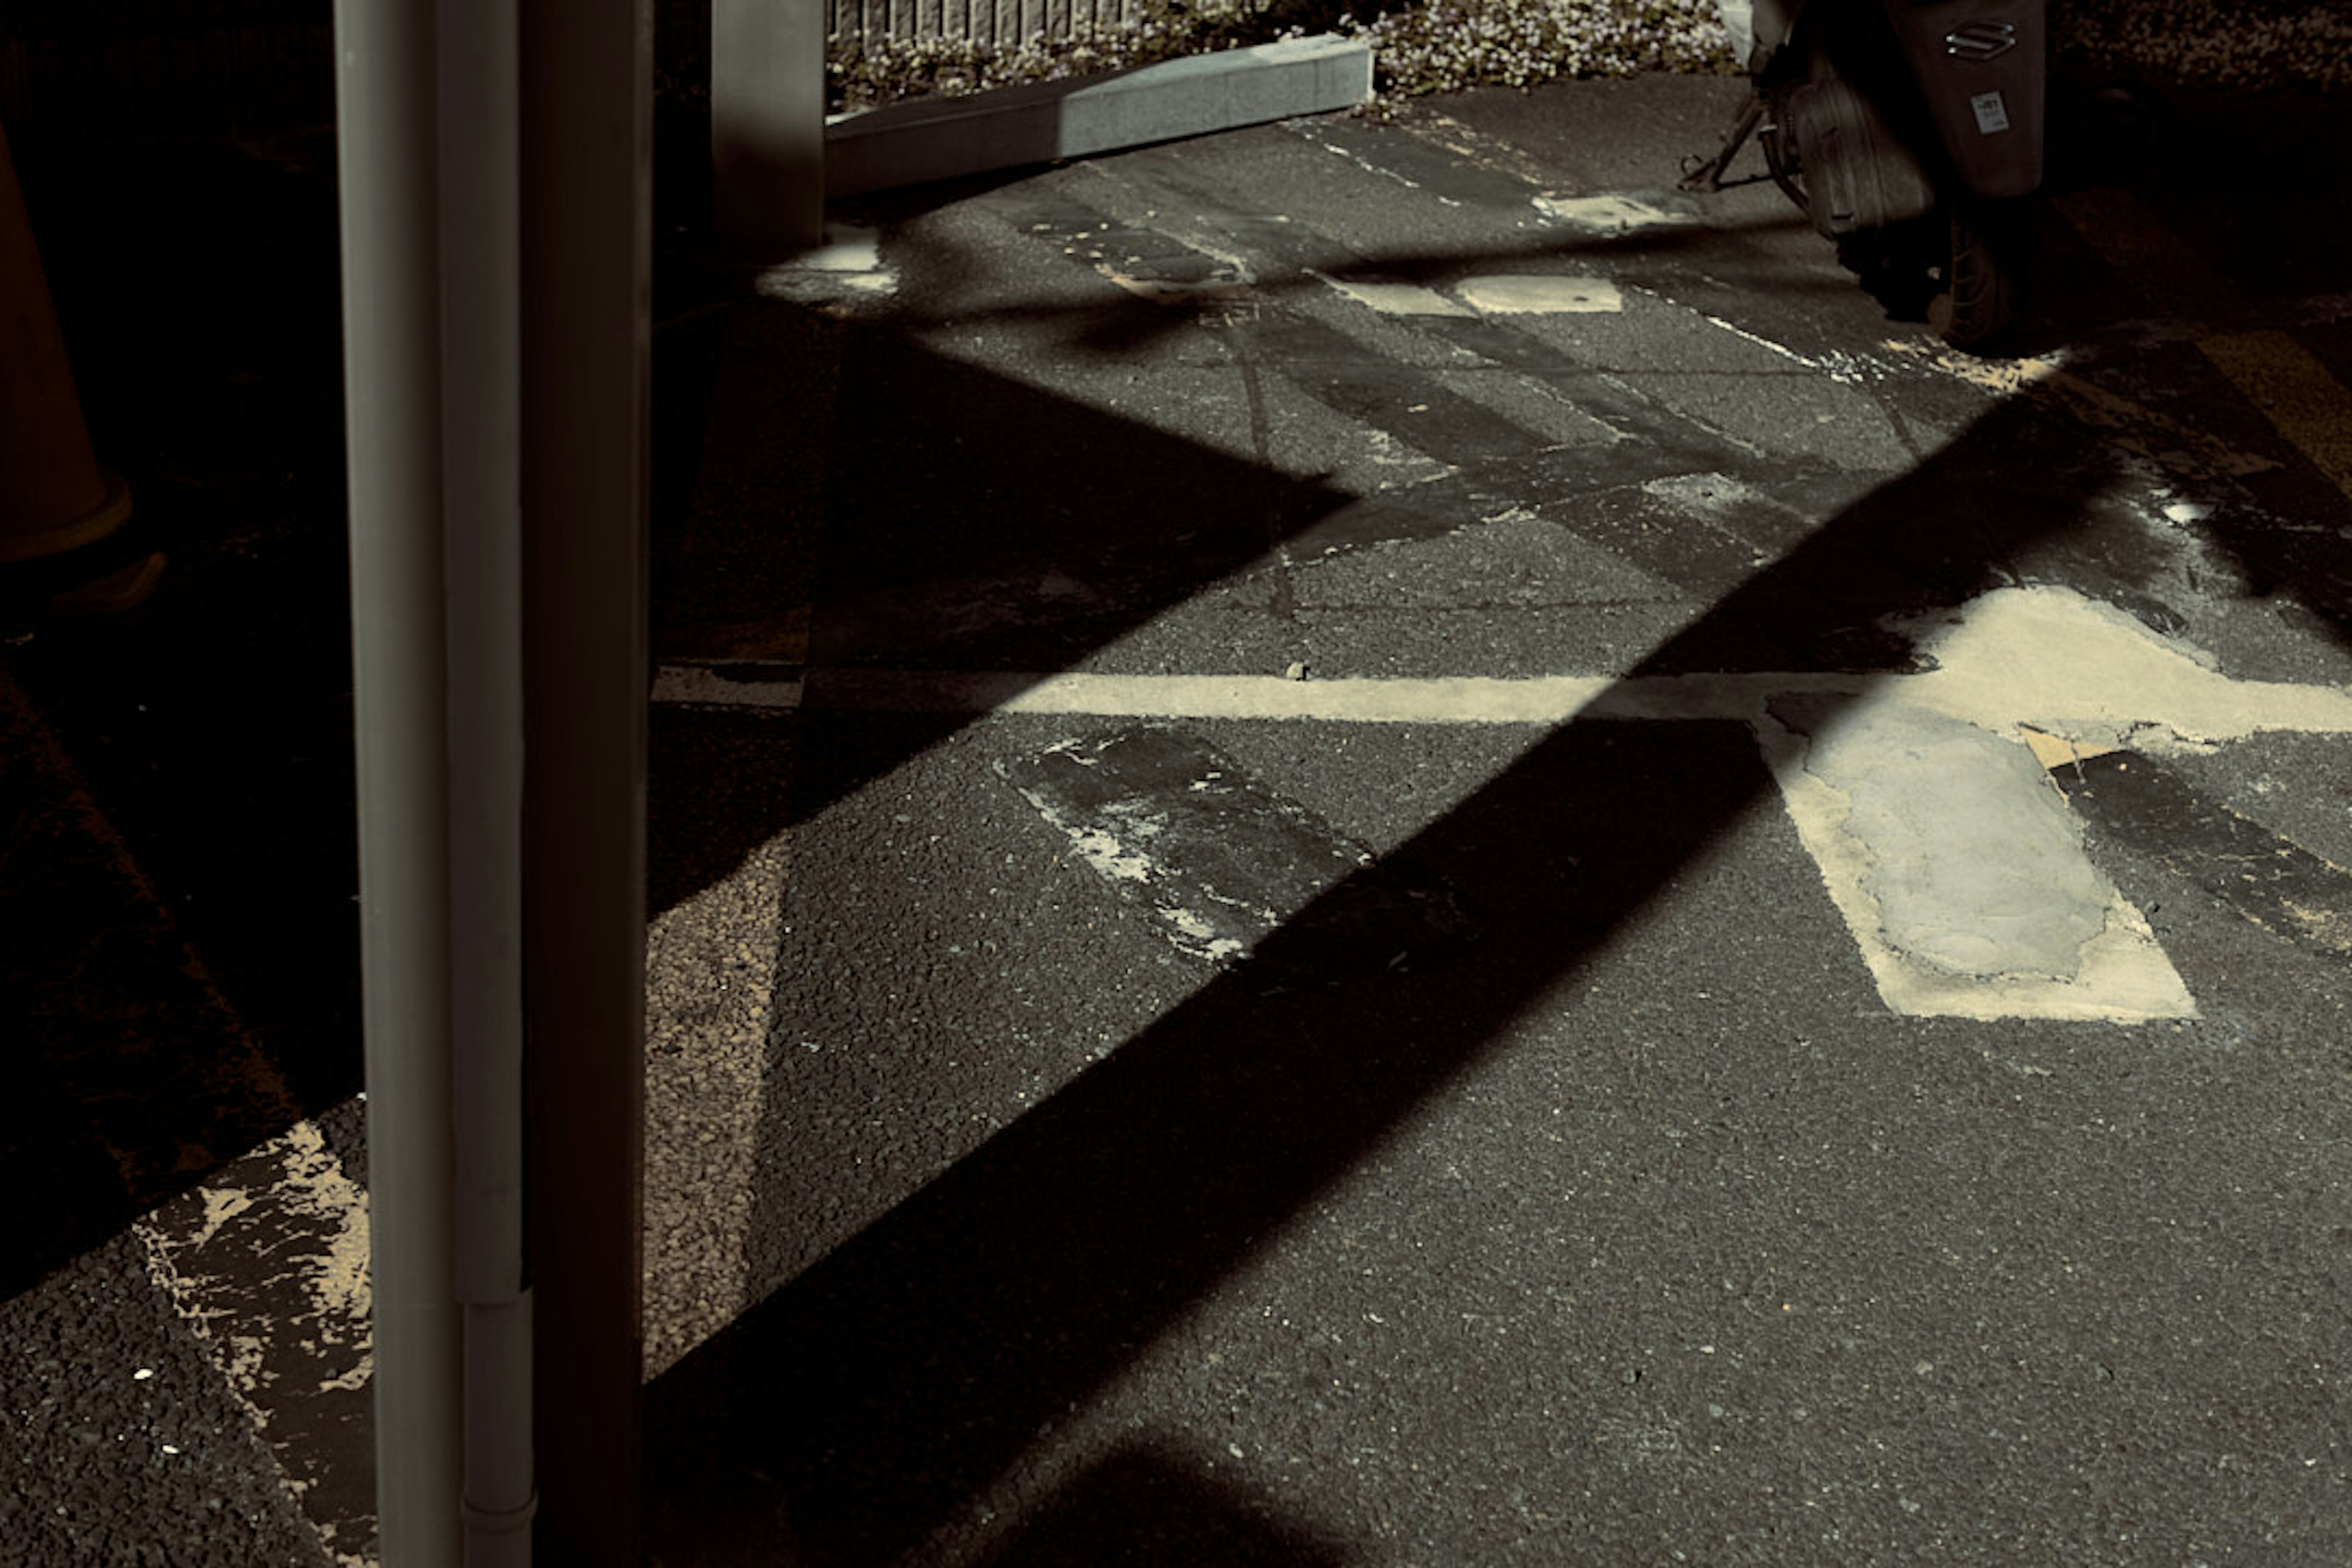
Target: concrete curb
pixel 939 139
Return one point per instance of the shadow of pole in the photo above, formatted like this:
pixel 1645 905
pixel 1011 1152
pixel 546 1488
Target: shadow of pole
pixel 1149 1506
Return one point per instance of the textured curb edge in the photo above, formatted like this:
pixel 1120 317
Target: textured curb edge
pixel 938 139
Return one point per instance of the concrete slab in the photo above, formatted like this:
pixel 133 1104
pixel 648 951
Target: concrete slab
pixel 1542 294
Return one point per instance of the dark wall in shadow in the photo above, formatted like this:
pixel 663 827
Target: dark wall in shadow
pixel 197 287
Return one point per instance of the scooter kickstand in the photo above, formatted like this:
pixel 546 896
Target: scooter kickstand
pixel 1706 176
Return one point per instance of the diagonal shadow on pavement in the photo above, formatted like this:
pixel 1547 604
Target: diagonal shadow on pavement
pixel 853 1412
pixel 862 1403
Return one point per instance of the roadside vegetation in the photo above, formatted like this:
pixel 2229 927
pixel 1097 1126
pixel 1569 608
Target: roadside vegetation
pixel 1444 46
pixel 1441 46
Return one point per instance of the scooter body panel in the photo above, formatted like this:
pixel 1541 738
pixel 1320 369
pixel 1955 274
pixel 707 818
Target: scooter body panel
pixel 1977 67
pixel 1757 27
pixel 1907 130
pixel 1980 68
pixel 1861 176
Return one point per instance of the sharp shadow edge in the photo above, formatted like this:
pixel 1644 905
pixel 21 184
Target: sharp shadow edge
pixel 1150 1505
pixel 863 1402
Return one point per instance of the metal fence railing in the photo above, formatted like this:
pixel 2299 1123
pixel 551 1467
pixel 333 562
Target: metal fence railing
pixel 991 21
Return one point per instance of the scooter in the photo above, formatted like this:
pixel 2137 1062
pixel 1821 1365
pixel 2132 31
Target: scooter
pixel 1910 131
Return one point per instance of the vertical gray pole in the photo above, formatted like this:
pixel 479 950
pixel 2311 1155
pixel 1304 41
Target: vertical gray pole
pixel 767 128
pixel 385 155
pixel 587 179
pixel 480 189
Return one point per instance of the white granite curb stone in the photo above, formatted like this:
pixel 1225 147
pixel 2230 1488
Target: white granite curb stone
pixel 943 138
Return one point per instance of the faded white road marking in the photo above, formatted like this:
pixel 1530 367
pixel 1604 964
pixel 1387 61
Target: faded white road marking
pixel 268 1262
pixel 847 248
pixel 1616 213
pixel 2267 879
pixel 1400 299
pixel 1542 294
pixel 1448 701
pixel 268 1259
pixel 849 262
pixel 1847 370
pixel 1357 159
pixel 1221 862
pixel 1783 350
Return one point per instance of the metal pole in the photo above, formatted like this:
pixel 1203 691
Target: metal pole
pixel 767 128
pixel 586 236
pixel 385 154
pixel 482 554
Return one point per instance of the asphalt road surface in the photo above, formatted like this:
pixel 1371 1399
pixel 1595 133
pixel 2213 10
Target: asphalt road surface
pixel 1373 844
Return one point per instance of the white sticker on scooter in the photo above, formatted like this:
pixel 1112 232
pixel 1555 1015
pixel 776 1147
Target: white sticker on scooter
pixel 1992 115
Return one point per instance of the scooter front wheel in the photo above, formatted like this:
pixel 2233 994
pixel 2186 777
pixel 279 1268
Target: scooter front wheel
pixel 1983 291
